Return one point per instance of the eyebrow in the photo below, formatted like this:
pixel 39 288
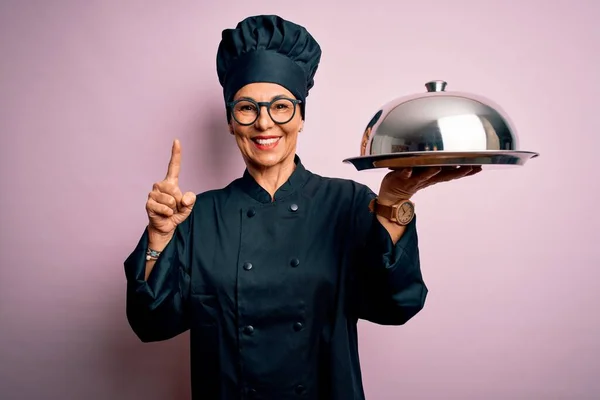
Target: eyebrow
pixel 278 96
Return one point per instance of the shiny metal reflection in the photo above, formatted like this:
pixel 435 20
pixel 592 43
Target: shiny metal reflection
pixel 439 128
pixel 436 86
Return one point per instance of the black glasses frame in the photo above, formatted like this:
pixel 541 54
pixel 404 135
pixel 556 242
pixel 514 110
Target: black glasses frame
pixel 259 105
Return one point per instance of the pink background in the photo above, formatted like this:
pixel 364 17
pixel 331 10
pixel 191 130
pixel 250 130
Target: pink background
pixel 92 94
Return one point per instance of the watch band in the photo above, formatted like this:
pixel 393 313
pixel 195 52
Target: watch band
pixel 391 212
pixel 382 210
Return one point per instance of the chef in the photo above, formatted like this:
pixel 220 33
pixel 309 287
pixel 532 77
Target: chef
pixel 271 273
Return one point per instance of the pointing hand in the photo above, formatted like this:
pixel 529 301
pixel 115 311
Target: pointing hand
pixel 167 207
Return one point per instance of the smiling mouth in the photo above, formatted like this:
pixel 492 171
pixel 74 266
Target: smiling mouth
pixel 266 142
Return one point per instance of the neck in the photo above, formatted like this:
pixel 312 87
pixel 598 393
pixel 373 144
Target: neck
pixel 273 177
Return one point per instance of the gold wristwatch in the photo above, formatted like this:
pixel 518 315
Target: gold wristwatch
pixel 400 213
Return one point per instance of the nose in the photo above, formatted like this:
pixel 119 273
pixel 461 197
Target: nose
pixel 264 121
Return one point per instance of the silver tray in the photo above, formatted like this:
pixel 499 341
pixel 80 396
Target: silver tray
pixel 442 159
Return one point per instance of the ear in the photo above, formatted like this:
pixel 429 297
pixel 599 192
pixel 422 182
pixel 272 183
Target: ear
pixel 301 127
pixel 230 128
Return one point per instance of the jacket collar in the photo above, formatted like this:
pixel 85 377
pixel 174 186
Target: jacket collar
pixel 295 182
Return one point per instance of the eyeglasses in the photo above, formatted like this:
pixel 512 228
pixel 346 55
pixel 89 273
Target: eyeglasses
pixel 246 111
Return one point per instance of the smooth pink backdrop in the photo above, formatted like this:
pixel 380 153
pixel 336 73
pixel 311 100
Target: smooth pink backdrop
pixel 92 94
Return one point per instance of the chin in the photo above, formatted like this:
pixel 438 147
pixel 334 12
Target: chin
pixel 267 160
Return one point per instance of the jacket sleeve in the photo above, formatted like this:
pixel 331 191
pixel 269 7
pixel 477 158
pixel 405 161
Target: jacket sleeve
pixel 388 284
pixel 157 308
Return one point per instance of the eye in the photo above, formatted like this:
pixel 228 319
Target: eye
pixel 245 107
pixel 282 106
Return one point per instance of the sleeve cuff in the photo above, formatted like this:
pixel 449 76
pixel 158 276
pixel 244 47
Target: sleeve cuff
pixel 401 260
pixel 381 242
pixel 158 286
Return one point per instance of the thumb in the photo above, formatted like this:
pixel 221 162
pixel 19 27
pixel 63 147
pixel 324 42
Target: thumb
pixel 403 173
pixel 406 173
pixel 188 200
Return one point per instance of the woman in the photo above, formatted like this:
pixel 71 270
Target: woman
pixel 271 273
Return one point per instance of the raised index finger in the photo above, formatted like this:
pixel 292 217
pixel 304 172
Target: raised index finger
pixel 175 162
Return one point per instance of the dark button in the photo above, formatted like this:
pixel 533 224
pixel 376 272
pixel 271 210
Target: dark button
pixel 300 389
pixel 247 266
pixel 294 262
pixel 294 207
pixel 298 326
pixel 251 213
pixel 249 330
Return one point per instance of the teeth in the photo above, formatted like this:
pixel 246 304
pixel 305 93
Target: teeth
pixel 266 142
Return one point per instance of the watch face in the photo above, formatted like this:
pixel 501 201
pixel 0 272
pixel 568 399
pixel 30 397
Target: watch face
pixel 405 213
